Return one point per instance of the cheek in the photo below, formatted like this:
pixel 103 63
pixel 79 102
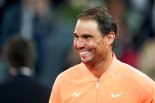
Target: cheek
pixel 97 47
pixel 92 44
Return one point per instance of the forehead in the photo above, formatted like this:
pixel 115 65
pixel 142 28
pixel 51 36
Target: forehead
pixel 86 26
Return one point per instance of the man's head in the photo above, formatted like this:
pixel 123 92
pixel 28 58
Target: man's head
pixel 19 52
pixel 94 34
pixel 106 23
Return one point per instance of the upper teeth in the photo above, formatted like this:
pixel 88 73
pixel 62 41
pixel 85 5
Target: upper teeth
pixel 83 53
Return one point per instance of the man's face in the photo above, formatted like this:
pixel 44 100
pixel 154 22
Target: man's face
pixel 90 44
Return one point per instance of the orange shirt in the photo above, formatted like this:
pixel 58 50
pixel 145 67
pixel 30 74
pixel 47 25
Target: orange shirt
pixel 121 83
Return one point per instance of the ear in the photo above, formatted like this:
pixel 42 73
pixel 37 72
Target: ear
pixel 110 38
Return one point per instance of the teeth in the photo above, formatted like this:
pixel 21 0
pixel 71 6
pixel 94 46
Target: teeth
pixel 83 53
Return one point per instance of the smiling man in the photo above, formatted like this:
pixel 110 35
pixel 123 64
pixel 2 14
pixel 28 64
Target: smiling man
pixel 100 77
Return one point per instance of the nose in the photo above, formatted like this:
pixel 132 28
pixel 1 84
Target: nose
pixel 79 43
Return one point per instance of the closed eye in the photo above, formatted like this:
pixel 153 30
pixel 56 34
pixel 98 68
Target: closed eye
pixel 87 36
pixel 75 36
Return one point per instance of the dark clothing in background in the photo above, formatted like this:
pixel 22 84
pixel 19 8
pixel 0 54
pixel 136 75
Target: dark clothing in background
pixel 23 89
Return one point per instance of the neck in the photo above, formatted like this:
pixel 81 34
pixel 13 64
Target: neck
pixel 98 68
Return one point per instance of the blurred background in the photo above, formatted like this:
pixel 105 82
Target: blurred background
pixel 50 24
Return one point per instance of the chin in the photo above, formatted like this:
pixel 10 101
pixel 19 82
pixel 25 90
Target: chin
pixel 86 60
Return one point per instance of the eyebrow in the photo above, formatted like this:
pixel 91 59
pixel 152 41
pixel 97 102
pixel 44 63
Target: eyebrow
pixel 75 35
pixel 84 35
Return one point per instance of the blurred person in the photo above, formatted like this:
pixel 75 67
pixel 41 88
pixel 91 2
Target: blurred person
pixel 3 5
pixel 27 14
pixel 153 17
pixel 22 86
pixel 34 20
pixel 100 77
pixel 141 20
pixel 147 58
pixel 38 20
pixel 131 53
pixel 120 18
pixel 141 32
pixel 126 50
pixel 131 57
